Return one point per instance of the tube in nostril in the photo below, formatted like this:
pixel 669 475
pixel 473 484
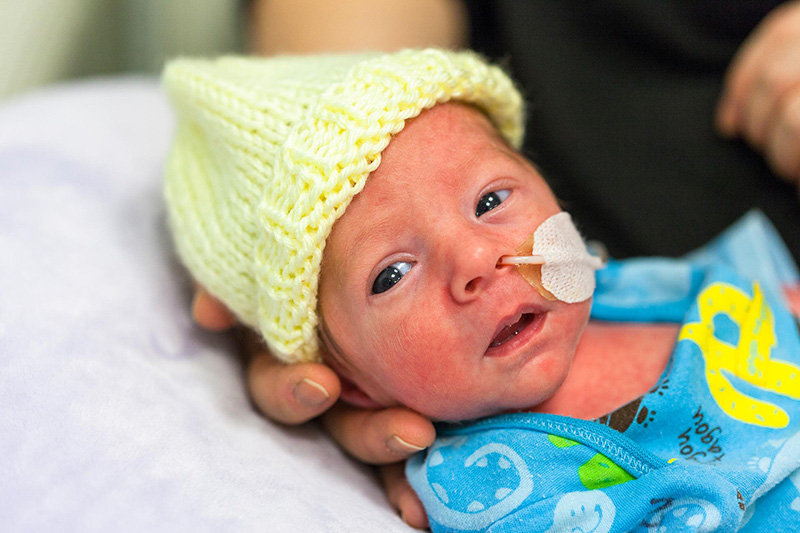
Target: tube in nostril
pixel 521 260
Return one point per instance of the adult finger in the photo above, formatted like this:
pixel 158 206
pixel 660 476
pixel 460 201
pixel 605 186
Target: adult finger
pixel 739 79
pixel 379 436
pixel 746 69
pixel 209 312
pixel 291 394
pixel 783 145
pixel 402 496
pixel 778 77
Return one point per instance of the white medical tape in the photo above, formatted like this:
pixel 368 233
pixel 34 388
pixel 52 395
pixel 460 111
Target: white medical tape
pixel 568 269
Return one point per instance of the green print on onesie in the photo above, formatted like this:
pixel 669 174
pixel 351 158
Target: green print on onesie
pixel 598 472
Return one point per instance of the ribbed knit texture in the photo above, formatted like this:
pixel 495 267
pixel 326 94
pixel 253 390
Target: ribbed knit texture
pixel 268 153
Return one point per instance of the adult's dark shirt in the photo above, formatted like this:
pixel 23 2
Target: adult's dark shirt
pixel 621 98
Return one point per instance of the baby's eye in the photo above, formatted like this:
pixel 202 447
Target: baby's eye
pixel 389 276
pixel 491 200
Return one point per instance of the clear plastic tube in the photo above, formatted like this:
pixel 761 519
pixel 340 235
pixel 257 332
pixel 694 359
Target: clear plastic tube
pixel 521 260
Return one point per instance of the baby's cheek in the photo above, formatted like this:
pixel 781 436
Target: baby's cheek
pixel 426 365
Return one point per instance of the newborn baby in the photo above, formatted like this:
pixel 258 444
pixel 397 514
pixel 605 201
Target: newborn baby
pixel 364 210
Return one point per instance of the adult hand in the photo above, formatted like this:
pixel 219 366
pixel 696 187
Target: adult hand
pixel 761 93
pixel 293 394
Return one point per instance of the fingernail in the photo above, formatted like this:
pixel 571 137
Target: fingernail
pixel 400 447
pixel 310 393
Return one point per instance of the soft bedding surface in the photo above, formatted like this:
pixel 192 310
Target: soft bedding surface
pixel 118 414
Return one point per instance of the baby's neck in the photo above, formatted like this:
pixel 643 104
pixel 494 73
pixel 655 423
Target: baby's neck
pixel 614 364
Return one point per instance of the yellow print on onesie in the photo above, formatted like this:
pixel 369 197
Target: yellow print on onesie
pixel 748 359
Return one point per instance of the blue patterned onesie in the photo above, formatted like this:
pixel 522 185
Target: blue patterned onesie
pixel 714 445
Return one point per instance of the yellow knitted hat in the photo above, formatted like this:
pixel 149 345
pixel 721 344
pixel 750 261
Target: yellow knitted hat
pixel 268 153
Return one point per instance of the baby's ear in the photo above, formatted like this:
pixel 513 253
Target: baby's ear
pixel 351 393
pixel 355 395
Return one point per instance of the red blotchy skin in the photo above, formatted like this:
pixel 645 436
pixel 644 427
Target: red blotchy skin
pixel 425 342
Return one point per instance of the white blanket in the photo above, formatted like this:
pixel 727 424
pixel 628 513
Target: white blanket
pixel 116 412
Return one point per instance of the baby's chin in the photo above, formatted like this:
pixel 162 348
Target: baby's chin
pixel 455 413
pixel 481 401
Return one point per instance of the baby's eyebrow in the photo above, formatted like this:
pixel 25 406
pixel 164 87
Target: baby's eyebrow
pixel 381 230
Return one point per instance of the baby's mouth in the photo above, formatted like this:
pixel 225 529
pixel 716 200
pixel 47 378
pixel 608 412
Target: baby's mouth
pixel 509 332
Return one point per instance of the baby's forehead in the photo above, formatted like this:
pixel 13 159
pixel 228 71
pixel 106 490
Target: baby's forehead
pixel 424 168
pixel 453 132
pixel 451 117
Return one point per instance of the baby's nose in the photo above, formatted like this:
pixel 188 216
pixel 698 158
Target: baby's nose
pixel 475 266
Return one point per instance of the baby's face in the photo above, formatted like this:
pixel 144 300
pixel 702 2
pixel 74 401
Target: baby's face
pixel 416 310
